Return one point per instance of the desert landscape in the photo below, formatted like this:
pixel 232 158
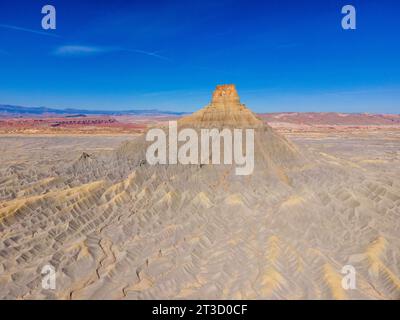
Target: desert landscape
pixel 76 193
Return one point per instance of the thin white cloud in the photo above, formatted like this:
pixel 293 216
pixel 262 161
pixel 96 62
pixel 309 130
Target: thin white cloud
pixel 79 50
pixel 43 33
pixel 75 50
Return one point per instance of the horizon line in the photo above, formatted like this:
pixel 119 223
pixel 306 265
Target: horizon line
pixel 155 110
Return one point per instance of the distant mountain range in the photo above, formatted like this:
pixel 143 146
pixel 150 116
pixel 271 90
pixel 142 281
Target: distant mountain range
pixel 308 118
pixel 9 110
pixel 331 118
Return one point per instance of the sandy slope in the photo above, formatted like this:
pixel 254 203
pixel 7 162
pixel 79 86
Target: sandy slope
pixel 116 229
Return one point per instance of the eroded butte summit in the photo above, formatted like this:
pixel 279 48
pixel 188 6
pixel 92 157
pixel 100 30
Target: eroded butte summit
pixel 225 110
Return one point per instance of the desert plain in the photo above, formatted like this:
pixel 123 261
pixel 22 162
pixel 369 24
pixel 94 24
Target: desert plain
pixel 324 195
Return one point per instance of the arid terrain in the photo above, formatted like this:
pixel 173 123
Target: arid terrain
pixel 324 194
pixel 78 125
pixel 123 124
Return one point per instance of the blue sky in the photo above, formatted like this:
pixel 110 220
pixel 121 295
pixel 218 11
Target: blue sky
pixel 282 55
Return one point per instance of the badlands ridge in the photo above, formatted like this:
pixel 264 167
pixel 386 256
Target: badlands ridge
pixel 115 227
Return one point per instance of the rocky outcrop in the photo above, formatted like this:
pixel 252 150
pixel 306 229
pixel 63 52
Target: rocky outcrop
pixel 272 150
pixel 225 110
